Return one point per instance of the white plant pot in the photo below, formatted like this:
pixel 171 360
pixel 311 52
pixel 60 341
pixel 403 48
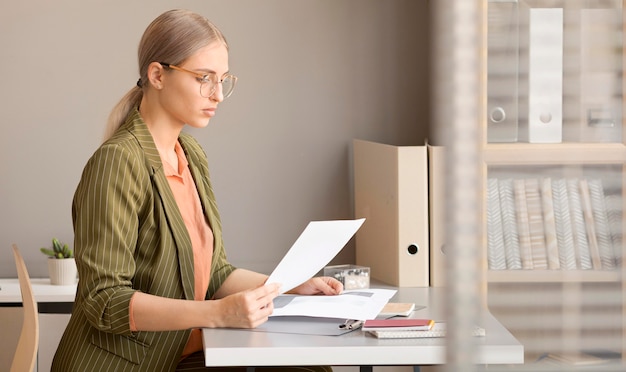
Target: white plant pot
pixel 62 271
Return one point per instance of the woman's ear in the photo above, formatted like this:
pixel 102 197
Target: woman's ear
pixel 155 75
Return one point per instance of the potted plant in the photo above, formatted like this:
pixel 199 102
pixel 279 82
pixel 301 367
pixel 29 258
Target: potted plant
pixel 61 264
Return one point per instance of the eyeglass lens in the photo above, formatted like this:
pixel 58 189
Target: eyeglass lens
pixel 209 87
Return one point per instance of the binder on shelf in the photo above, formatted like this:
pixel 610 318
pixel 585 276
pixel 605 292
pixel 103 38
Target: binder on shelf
pixel 541 59
pixel 600 53
pixel 437 207
pixel 502 66
pixel 391 192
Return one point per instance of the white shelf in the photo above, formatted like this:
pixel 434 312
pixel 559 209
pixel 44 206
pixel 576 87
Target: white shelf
pixel 548 276
pixel 558 153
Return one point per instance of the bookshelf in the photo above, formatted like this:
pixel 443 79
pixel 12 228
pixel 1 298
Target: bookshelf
pixel 590 150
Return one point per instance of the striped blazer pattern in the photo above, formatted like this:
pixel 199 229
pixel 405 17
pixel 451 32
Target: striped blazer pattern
pixel 130 236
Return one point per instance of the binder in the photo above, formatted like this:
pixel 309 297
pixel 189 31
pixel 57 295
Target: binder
pixel 541 60
pixel 391 192
pixel 437 207
pixel 600 98
pixel 502 67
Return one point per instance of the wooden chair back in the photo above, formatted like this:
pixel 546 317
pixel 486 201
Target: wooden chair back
pixel 26 352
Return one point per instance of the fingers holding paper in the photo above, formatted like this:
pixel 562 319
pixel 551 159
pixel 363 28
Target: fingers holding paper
pixel 247 309
pixel 324 285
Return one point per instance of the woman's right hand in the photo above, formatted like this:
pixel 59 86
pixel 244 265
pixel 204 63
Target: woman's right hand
pixel 246 309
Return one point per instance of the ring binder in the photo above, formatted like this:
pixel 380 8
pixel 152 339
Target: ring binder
pixel 541 94
pixel 391 192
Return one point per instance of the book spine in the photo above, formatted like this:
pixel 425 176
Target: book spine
pixel 614 212
pixel 549 224
pixel 605 245
pixel 535 222
pixel 495 243
pixel 521 211
pixel 594 249
pixel 563 222
pixel 583 257
pixel 509 225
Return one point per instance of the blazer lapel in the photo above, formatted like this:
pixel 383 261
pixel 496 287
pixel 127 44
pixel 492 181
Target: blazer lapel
pixel 175 221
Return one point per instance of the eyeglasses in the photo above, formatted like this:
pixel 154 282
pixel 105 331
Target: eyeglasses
pixel 208 82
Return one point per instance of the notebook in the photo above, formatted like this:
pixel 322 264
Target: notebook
pixel 397 309
pixel 395 324
pixel 438 330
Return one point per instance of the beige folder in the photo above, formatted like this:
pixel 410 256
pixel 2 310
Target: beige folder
pixel 391 192
pixel 437 200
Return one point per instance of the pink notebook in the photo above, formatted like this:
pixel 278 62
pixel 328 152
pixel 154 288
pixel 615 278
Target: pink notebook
pixel 398 324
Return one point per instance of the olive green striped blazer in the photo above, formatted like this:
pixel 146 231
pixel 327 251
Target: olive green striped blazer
pixel 130 236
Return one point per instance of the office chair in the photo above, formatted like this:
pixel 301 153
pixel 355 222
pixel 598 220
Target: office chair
pixel 26 352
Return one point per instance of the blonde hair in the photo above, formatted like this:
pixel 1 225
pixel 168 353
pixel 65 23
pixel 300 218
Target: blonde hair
pixel 172 37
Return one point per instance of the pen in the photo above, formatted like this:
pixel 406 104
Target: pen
pixel 351 324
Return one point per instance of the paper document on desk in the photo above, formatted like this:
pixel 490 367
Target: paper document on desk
pixel 317 245
pixel 358 304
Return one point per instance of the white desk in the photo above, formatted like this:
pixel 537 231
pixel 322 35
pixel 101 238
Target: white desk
pixel 54 303
pixel 43 290
pixel 234 347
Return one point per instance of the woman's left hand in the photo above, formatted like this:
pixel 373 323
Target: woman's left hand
pixel 319 285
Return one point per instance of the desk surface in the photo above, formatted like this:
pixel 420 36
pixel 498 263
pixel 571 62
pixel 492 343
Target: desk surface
pixel 43 290
pixel 229 347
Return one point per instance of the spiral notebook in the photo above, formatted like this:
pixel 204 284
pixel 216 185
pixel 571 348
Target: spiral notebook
pixel 438 330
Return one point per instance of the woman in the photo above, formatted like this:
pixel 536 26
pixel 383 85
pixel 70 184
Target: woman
pixel 147 230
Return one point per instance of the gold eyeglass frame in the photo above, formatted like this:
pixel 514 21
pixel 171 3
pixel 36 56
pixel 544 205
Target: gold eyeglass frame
pixel 206 79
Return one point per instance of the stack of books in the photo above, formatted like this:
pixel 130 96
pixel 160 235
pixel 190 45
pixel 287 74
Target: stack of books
pixel 553 224
pixel 409 328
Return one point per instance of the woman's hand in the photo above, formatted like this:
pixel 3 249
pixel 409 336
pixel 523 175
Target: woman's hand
pixel 246 309
pixel 319 285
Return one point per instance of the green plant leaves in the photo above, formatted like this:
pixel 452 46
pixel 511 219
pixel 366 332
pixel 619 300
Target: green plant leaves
pixel 59 250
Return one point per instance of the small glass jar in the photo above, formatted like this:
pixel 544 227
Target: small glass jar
pixel 351 276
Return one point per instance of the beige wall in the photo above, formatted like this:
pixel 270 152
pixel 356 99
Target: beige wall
pixel 313 75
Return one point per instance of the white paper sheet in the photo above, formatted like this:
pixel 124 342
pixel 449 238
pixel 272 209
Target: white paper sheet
pixel 315 247
pixel 358 304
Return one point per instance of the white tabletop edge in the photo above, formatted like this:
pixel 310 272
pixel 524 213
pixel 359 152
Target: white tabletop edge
pixel 43 290
pixel 233 347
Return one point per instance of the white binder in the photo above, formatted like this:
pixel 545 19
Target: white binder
pixel 541 58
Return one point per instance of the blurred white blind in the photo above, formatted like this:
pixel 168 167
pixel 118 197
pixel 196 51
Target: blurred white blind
pixel 563 298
